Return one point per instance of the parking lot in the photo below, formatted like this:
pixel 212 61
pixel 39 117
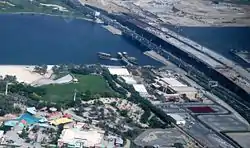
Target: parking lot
pixel 242 138
pixel 161 137
pixel 223 122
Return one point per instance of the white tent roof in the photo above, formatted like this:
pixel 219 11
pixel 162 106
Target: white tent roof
pixel 118 71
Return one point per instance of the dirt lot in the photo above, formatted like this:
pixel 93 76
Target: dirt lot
pixel 182 12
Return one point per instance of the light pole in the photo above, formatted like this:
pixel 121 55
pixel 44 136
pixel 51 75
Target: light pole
pixel 6 88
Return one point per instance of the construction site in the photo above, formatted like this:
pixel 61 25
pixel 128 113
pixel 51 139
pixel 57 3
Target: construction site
pixel 180 12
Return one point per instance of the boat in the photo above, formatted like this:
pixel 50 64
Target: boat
pixel 104 55
pixel 132 60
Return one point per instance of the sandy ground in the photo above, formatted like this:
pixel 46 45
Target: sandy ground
pixel 23 73
pixel 181 12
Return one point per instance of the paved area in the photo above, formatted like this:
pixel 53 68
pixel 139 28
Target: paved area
pixel 216 109
pixel 161 137
pixel 224 122
pixel 243 139
pixel 171 108
pixel 204 135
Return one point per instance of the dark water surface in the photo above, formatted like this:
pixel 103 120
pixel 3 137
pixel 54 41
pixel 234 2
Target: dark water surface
pixel 39 39
pixel 219 39
pixel 27 39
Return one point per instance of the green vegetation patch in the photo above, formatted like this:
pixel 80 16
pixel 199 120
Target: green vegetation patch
pixel 60 93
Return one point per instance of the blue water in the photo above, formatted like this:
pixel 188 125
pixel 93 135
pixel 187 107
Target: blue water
pixel 28 118
pixel 27 39
pixel 219 39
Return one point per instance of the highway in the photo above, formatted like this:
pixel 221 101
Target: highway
pixel 225 66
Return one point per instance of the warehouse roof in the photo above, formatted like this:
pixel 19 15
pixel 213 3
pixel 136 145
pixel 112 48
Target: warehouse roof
pixel 172 82
pixel 184 89
pixel 118 71
pixel 140 88
pixel 129 80
pixel 176 117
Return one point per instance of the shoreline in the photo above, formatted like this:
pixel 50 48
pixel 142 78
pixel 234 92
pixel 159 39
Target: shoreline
pixel 49 14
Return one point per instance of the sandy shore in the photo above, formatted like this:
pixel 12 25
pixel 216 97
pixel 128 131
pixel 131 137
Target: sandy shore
pixel 23 73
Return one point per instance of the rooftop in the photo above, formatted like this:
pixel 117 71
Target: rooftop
pixel 176 117
pixel 129 79
pixel 118 71
pixel 172 82
pixel 140 88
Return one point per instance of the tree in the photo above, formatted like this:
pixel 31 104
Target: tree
pixel 10 79
pixel 124 113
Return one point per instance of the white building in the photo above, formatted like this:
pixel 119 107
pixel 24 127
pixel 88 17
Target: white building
pixel 140 88
pixel 190 92
pixel 128 79
pixel 173 82
pixel 179 119
pixel 175 86
pixel 119 71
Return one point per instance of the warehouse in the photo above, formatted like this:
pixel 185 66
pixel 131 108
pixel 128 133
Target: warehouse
pixel 128 79
pixel 118 71
pixel 140 88
pixel 178 119
pixel 172 82
pixel 189 92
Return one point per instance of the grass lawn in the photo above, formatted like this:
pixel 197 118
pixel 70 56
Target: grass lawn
pixel 63 92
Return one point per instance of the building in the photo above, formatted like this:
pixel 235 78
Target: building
pixel 119 71
pixel 140 88
pixel 128 79
pixel 178 119
pixel 176 87
pixel 77 138
pixel 172 82
pixel 189 92
pixel 31 110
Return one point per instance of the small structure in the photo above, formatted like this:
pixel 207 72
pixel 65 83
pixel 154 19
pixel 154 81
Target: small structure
pixel 52 109
pixel 128 79
pixel 61 121
pixel 118 71
pixel 140 88
pixel 179 119
pixel 31 110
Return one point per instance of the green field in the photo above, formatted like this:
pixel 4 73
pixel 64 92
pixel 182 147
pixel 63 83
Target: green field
pixel 60 93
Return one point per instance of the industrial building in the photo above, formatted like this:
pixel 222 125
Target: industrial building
pixel 178 119
pixel 128 79
pixel 173 86
pixel 119 71
pixel 140 88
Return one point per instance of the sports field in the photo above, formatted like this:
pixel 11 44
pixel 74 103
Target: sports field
pixel 64 92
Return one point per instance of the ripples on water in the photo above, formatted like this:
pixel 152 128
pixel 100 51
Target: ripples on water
pixel 27 39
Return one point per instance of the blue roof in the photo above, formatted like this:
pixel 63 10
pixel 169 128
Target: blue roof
pixel 11 123
pixel 29 118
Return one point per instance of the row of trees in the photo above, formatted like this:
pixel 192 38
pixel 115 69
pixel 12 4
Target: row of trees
pixel 146 105
pixel 112 84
